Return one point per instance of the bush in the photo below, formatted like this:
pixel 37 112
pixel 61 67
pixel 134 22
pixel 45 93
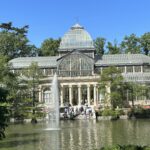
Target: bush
pixel 108 112
pixel 126 147
pixel 139 112
pixel 119 112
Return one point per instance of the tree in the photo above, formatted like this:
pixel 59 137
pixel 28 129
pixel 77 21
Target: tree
pixel 111 85
pixel 7 84
pixel 4 112
pixel 31 80
pixel 99 44
pixel 49 47
pixel 136 90
pixel 145 43
pixel 113 49
pixel 34 51
pixel 131 44
pixel 8 27
pixel 13 41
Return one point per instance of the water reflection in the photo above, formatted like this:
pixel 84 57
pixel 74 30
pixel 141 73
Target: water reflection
pixel 49 141
pixel 77 135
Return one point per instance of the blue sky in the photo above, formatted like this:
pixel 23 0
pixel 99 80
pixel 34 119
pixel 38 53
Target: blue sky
pixel 112 19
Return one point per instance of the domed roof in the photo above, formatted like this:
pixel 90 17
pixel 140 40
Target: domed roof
pixel 76 38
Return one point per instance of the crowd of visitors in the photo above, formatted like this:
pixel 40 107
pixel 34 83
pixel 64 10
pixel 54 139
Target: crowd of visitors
pixel 71 112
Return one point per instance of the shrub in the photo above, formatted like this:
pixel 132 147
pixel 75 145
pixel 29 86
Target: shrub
pixel 119 112
pixel 139 112
pixel 109 112
pixel 126 147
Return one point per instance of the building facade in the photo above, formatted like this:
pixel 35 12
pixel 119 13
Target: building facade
pixel 78 69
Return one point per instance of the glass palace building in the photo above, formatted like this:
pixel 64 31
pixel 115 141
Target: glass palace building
pixel 78 69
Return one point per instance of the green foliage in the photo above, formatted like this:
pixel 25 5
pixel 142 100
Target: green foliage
pixel 4 112
pixel 113 49
pixel 49 47
pixel 108 112
pixel 111 78
pixel 139 112
pixel 114 147
pixel 32 75
pixel 21 108
pixel 7 83
pixel 119 112
pixel 99 44
pixel 28 99
pixel 126 147
pixel 135 89
pixel 145 43
pixel 14 42
pixel 131 44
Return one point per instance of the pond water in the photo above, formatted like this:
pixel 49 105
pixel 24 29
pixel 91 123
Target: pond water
pixel 76 135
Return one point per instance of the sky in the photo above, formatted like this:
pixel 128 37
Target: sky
pixel 111 19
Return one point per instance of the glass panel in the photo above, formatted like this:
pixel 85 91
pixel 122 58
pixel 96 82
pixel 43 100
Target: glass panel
pixel 122 69
pixel 46 96
pixel 41 71
pixel 137 68
pixel 146 68
pixel 75 65
pixel 129 68
pixel 48 72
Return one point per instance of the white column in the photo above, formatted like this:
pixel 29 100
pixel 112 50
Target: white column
pixel 79 94
pixel 95 95
pixel 88 94
pixel 70 94
pixel 141 69
pixel 61 95
pixel 40 93
pixel 133 69
pixel 98 96
pixel 108 90
pixel 80 65
pixel 44 72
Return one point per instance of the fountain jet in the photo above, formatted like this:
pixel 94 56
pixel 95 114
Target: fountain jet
pixel 53 106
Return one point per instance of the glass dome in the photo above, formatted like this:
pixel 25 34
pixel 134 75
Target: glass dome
pixel 76 38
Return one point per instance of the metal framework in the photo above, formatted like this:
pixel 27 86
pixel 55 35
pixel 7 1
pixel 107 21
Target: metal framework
pixel 75 64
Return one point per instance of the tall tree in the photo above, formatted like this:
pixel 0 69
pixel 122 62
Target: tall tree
pixel 145 43
pixel 13 41
pixel 49 47
pixel 4 112
pixel 111 85
pixel 113 49
pixel 99 44
pixel 7 85
pixel 131 44
pixel 32 76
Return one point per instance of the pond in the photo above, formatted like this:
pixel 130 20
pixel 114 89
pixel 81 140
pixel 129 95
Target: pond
pixel 77 135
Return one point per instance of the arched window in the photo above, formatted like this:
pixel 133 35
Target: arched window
pixel 46 95
pixel 75 64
